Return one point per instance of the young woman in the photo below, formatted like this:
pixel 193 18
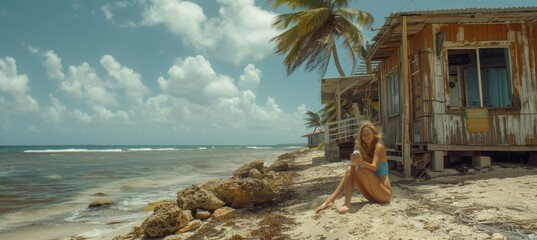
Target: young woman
pixel 369 171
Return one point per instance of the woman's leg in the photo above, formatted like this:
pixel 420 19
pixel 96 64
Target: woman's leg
pixel 371 187
pixel 337 192
pixel 349 185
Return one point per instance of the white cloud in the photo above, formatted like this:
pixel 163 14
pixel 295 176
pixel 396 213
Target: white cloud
pixel 107 115
pixel 195 94
pixel 250 79
pixel 244 31
pixel 81 116
pixel 55 112
pixel 241 31
pixel 182 18
pixel 53 65
pixel 243 112
pixel 125 78
pixel 83 83
pixel 16 86
pixel 167 109
pixel 195 80
pixel 108 13
pixel 33 50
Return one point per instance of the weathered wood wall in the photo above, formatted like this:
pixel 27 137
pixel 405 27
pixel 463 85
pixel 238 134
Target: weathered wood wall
pixel 509 126
pixel 431 119
pixel 391 125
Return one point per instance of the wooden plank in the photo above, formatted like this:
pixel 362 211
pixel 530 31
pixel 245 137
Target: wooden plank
pixel 407 160
pixel 492 148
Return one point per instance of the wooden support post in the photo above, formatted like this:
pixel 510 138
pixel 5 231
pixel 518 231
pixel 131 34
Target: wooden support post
pixel 407 160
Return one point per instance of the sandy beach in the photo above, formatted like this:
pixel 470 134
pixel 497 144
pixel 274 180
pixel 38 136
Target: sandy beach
pixel 494 203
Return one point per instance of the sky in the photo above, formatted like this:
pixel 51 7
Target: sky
pixel 160 72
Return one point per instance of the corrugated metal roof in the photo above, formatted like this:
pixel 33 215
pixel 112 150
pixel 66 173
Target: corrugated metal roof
pixel 468 11
pixel 389 33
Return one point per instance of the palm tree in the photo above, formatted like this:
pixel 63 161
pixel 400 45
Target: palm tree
pixel 311 33
pixel 313 120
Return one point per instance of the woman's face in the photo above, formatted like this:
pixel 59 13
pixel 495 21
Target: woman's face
pixel 367 135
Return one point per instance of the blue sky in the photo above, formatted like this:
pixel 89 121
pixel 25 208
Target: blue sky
pixel 159 72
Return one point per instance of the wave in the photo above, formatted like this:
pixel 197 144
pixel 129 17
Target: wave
pixel 85 150
pixel 256 147
pixel 72 150
pixel 151 149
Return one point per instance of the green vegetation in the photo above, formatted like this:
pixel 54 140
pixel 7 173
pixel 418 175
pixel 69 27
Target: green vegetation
pixel 310 34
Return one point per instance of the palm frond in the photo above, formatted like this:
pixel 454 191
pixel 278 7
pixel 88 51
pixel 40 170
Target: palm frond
pixel 294 4
pixel 312 31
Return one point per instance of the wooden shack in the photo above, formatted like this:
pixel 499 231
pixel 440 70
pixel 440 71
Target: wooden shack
pixel 457 83
pixel 314 138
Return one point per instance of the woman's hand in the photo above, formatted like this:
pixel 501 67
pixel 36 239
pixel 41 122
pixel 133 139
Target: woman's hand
pixel 356 159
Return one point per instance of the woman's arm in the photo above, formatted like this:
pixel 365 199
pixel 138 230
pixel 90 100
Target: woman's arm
pixel 377 158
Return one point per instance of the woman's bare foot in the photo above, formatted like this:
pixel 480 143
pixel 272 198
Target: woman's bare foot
pixel 343 209
pixel 324 206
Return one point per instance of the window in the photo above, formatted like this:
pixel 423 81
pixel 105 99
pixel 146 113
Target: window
pixel 490 87
pixel 393 92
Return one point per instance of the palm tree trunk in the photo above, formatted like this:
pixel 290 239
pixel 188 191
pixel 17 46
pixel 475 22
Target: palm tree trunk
pixel 336 61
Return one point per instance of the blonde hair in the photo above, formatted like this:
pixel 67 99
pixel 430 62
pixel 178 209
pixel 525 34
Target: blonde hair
pixel 368 152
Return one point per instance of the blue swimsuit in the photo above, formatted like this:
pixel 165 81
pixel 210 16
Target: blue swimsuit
pixel 382 169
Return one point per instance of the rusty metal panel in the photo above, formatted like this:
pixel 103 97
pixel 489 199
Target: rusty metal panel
pixel 439 125
pixel 485 32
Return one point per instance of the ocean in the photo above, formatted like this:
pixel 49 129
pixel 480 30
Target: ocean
pixel 50 187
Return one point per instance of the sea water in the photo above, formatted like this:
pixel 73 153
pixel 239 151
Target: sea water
pixel 51 186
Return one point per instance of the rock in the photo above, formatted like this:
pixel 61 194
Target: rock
pixel 270 174
pixel 279 166
pixel 246 192
pixel 245 169
pixel 191 226
pixel 211 184
pixel 431 225
pixel 100 203
pixel 471 171
pixel 254 173
pixel 222 212
pixel 198 198
pixel 100 194
pixel 152 205
pixel 200 214
pixel 165 220
pixel 498 236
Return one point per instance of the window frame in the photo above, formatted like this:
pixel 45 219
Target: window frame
pixel 463 89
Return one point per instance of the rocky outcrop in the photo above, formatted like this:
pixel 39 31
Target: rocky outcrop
pixel 191 226
pixel 246 192
pixel 245 169
pixel 198 198
pixel 222 212
pixel 100 203
pixel 250 185
pixel 254 173
pixel 152 205
pixel 166 220
pixel 202 215
pixel 279 166
pixel 211 184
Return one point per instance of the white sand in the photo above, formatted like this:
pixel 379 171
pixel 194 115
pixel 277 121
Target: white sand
pixel 418 210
